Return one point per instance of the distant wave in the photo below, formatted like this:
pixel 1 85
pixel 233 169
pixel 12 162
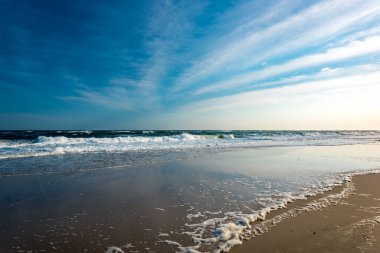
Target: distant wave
pixel 34 143
pixel 130 139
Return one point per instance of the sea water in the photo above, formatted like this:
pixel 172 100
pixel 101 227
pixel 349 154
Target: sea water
pixel 163 191
pixel 14 144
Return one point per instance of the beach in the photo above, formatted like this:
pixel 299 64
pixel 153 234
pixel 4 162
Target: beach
pixel 197 193
pixel 351 224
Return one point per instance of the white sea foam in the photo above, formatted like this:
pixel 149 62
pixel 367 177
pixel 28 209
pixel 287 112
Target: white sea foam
pixel 148 132
pixel 45 145
pixel 234 227
pixel 172 243
pixel 114 249
pixel 60 145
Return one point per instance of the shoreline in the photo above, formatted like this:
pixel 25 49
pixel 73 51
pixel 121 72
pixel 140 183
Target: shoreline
pixel 344 219
pixel 207 204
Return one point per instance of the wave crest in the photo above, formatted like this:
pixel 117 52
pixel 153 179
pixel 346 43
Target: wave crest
pixel 108 141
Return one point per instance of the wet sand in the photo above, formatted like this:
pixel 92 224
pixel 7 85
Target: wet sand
pixel 351 224
pixel 157 207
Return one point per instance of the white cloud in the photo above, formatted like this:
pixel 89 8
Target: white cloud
pixel 168 24
pixel 338 103
pixel 111 97
pixel 323 21
pixel 368 46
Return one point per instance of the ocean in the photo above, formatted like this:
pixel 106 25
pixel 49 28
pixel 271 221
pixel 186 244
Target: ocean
pixel 163 191
pixel 22 144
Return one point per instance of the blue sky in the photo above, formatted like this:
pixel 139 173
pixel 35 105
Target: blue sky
pixel 190 64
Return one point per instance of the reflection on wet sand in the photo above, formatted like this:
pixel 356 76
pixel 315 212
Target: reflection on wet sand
pixel 162 206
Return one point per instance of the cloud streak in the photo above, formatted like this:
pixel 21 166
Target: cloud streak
pixel 370 45
pixel 167 27
pixel 316 24
pixel 342 83
pixel 335 103
pixel 205 59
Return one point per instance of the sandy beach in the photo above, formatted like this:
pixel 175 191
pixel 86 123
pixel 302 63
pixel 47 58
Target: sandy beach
pixel 206 203
pixel 351 224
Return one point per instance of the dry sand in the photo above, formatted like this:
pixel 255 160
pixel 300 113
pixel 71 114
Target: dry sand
pixel 351 224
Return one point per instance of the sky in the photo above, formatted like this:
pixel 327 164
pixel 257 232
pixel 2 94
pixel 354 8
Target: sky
pixel 262 64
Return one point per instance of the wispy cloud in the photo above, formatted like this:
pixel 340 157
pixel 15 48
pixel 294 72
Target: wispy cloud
pixel 339 83
pixel 241 50
pixel 142 58
pixel 335 103
pixel 321 23
pixel 112 97
pixel 370 45
pixel 168 25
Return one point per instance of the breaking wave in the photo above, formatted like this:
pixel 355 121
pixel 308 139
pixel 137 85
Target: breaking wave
pixel 35 143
